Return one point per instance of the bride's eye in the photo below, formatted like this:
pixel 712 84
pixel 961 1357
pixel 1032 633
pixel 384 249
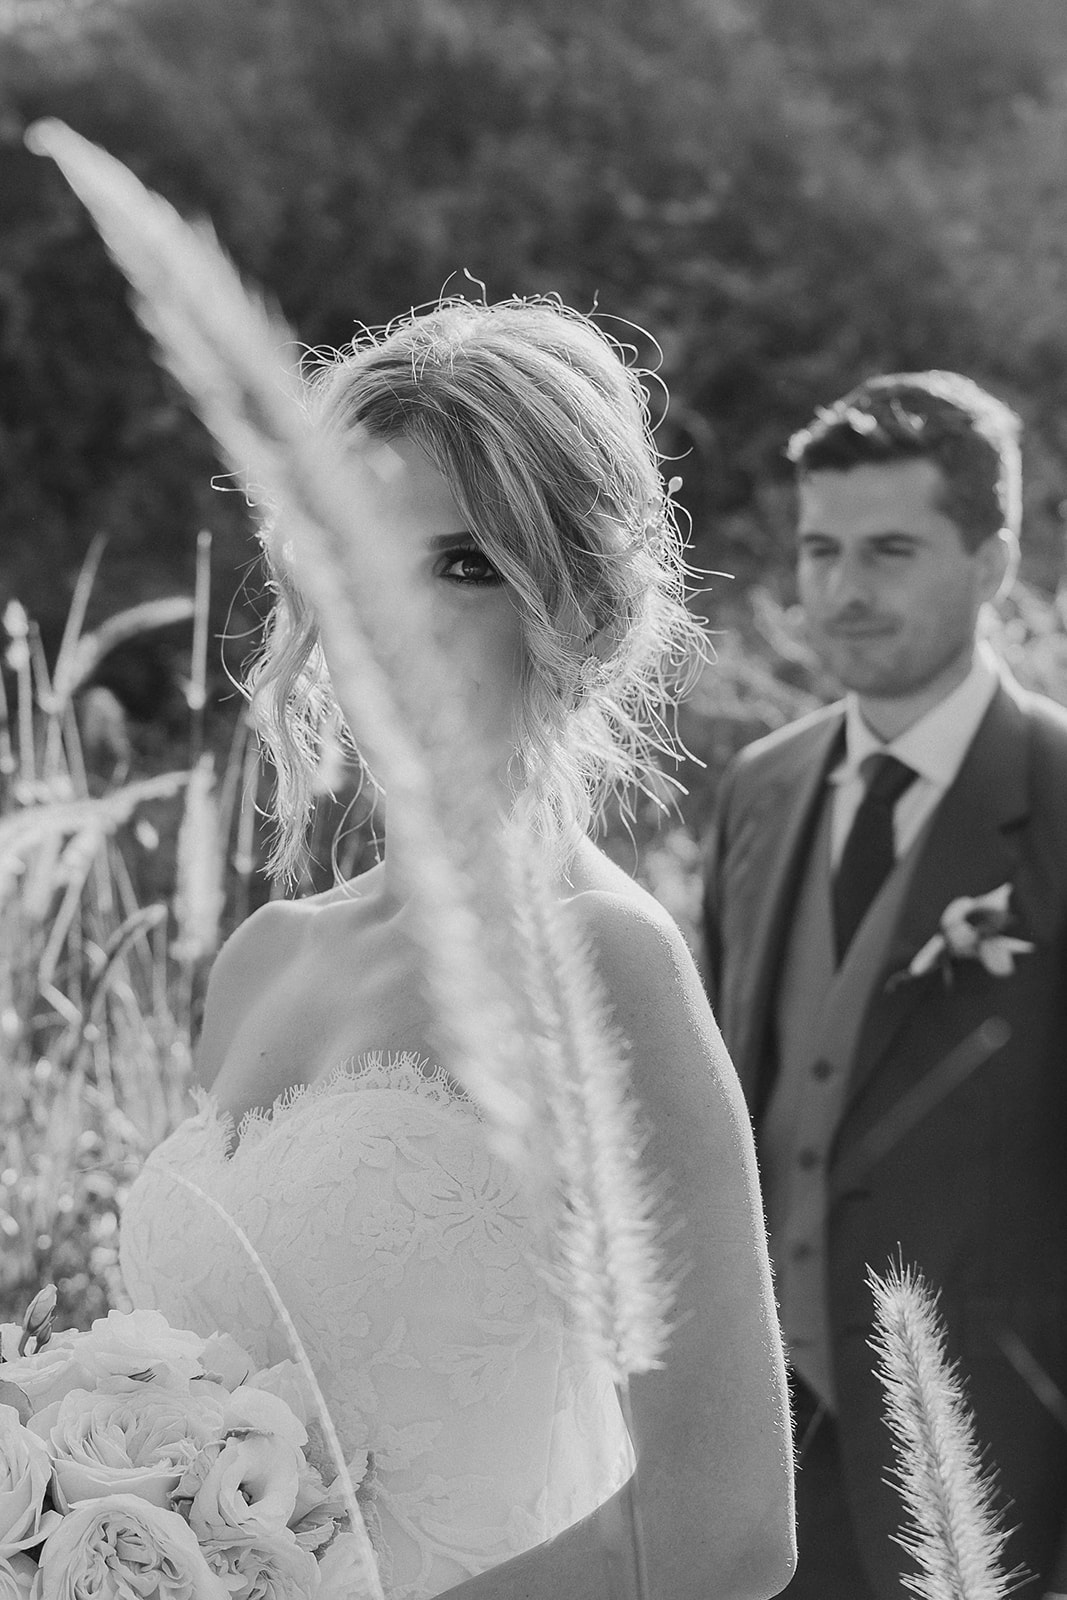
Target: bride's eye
pixel 468 565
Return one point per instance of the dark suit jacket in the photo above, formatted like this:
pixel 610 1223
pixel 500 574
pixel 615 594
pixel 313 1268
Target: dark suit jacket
pixel 952 1149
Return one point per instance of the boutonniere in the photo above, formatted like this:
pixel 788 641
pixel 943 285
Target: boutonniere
pixel 972 928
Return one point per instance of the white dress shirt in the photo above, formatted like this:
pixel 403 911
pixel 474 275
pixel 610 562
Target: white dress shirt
pixel 934 746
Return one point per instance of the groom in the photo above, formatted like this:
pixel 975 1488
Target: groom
pixel 886 923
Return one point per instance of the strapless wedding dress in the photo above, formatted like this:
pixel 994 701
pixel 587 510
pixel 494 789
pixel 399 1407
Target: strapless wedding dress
pixel 405 1254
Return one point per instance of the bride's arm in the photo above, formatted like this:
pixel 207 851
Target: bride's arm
pixel 711 1428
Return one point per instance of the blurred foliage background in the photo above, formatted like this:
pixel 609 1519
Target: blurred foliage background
pixel 788 194
pixel 771 198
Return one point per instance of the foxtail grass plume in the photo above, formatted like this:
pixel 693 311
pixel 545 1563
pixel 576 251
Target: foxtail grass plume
pixel 951 1529
pixel 606 1253
pixel 81 655
pixel 223 345
pixel 26 831
pixel 607 1232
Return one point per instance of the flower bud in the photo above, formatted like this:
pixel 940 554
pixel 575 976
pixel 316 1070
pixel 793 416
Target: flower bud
pixel 37 1322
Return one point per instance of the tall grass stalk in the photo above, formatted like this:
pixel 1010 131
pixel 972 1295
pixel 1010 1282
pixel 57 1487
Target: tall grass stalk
pixel 17 626
pixel 222 345
pixel 199 893
pixel 97 1011
pixel 197 690
pixel 243 859
pixel 370 1586
pixel 89 649
pixel 8 765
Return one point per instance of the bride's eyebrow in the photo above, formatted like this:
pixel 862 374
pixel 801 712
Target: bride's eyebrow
pixel 447 541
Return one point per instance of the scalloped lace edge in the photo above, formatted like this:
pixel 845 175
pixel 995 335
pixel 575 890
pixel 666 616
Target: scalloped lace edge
pixel 375 1069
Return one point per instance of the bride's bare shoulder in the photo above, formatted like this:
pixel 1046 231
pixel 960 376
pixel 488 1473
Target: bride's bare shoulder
pixel 253 962
pixel 613 909
pixel 650 980
pixel 252 959
pixel 272 933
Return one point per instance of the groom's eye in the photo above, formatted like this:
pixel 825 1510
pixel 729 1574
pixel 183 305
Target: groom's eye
pixel 897 545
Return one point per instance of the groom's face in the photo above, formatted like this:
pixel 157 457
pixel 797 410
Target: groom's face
pixel 890 591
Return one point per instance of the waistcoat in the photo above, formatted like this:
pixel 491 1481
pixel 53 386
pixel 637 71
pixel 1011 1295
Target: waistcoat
pixel 818 1012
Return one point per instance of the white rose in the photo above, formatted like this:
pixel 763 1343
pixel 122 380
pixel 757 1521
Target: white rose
pixel 25 1473
pixel 125 1343
pixel 241 1486
pixel 125 1549
pixel 135 1442
pixel 287 1380
pixel 224 1362
pixel 272 1567
pixel 48 1375
pixel 17 1574
pixel 259 1410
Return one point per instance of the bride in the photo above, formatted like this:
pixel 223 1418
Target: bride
pixel 524 505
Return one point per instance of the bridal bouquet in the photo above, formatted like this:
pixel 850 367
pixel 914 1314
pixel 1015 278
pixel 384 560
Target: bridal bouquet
pixel 142 1462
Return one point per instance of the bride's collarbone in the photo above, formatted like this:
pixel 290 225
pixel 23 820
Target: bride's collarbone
pixel 325 1011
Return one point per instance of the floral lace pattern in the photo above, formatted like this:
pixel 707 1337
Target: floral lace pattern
pixel 405 1254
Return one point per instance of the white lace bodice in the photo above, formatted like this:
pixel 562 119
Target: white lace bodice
pixel 404 1252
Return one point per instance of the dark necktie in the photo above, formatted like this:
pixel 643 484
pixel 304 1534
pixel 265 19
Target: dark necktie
pixel 868 856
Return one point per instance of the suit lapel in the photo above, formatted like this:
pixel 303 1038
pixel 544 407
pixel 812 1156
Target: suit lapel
pixel 968 849
pixel 785 812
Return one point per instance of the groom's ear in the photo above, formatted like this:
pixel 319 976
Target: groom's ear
pixel 999 562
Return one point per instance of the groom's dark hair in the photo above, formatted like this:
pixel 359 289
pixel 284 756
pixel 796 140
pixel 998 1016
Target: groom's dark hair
pixel 938 416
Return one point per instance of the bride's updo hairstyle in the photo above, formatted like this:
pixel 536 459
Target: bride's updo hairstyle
pixel 540 427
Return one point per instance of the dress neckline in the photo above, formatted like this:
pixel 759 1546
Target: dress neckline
pixel 403 1071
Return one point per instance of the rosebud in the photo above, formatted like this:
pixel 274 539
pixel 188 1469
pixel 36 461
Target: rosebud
pixel 37 1322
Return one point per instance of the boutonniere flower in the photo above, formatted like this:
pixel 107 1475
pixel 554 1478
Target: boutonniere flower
pixel 973 928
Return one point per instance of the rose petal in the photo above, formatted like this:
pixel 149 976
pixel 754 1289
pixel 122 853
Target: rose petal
pixel 224 1361
pixel 25 1474
pixel 17 1577
pixel 249 1407
pixel 81 1556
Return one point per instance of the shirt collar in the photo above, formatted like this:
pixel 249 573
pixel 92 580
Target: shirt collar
pixel 935 745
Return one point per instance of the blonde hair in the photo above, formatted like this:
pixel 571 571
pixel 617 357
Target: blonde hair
pixel 540 427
